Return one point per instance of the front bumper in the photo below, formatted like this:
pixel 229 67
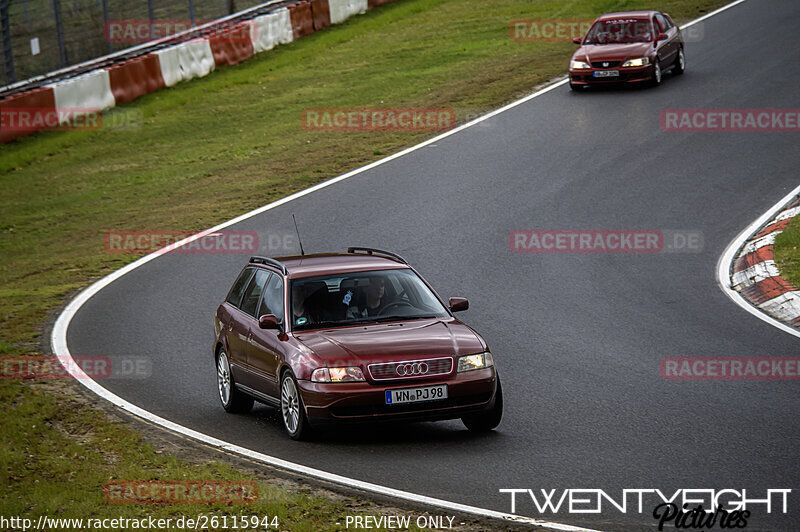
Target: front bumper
pixel 626 75
pixel 467 392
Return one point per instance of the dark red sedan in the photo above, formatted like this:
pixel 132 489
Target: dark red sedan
pixel 627 47
pixel 356 336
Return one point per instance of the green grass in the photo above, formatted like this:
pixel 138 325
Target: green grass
pixel 787 252
pixel 213 148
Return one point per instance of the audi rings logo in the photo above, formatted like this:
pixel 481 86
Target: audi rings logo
pixel 414 368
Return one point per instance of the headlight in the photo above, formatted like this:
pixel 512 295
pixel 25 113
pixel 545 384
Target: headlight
pixel 338 375
pixel 641 61
pixel 472 362
pixel 578 65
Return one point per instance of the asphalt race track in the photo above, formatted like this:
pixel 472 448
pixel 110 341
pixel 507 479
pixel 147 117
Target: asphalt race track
pixel 578 338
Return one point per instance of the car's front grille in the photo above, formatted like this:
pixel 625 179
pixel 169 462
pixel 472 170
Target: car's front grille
pixel 605 64
pixel 411 369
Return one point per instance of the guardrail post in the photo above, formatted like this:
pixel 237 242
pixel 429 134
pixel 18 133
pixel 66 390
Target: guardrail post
pixel 150 17
pixel 105 21
pixel 62 49
pixel 8 53
pixel 191 11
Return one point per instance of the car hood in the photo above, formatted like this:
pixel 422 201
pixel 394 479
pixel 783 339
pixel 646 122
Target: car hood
pixel 612 52
pixel 392 342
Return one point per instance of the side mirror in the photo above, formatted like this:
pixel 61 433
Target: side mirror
pixel 662 37
pixel 458 304
pixel 576 40
pixel 269 321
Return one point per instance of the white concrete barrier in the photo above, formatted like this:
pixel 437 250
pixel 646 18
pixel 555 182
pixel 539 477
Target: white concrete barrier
pixel 91 91
pixel 196 58
pixel 170 62
pixel 267 31
pixel 342 10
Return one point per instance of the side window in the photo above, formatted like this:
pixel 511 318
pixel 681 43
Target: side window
pixel 253 292
pixel 661 25
pixel 667 21
pixel 272 302
pixel 235 296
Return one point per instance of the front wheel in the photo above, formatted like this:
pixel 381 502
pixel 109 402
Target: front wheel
pixel 292 410
pixel 680 62
pixel 232 399
pixel 655 81
pixel 489 419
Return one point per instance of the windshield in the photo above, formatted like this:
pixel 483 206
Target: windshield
pixel 619 31
pixel 362 297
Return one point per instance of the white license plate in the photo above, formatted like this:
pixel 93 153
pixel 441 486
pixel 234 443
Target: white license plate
pixel 606 73
pixel 416 395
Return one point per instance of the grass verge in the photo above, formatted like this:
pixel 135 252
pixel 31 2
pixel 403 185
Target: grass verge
pixel 206 151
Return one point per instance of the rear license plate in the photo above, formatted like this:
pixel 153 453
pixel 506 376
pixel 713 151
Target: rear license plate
pixel 606 73
pixel 416 395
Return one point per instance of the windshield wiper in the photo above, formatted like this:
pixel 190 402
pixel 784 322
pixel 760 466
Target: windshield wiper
pixel 402 318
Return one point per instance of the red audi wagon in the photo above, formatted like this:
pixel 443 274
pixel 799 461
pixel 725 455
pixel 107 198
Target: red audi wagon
pixel 350 337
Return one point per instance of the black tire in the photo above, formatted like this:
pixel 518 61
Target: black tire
pixel 680 62
pixel 488 419
pixel 293 412
pixel 658 74
pixel 232 399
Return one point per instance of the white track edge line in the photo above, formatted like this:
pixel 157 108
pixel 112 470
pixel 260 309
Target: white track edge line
pixel 59 346
pixel 725 264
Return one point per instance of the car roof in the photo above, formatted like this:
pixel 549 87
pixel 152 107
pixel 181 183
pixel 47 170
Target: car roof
pixel 311 265
pixel 642 13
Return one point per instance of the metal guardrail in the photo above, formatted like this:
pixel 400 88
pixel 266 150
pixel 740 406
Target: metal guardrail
pixel 136 51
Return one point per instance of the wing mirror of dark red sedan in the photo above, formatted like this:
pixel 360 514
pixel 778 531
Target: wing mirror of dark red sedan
pixel 662 37
pixel 458 304
pixel 576 40
pixel 269 321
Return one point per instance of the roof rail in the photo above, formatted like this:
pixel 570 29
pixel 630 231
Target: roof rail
pixel 371 251
pixel 272 262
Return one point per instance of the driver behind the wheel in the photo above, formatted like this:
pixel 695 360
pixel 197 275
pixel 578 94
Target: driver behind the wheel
pixel 372 300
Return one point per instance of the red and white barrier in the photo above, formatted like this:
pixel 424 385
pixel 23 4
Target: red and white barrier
pixel 756 276
pixel 104 88
pixel 342 10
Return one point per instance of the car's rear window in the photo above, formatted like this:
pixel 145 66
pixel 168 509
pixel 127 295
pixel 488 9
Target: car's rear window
pixel 619 31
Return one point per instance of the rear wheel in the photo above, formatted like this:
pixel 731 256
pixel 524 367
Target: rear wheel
pixel 232 399
pixel 489 419
pixel 680 62
pixel 292 410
